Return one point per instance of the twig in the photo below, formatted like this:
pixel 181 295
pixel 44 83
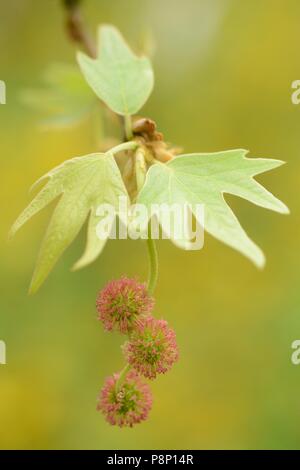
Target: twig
pixel 76 29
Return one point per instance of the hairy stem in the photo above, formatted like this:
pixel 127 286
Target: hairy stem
pixel 153 264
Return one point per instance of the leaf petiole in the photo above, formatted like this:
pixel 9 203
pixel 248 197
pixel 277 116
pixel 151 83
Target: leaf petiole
pixel 125 146
pixel 128 127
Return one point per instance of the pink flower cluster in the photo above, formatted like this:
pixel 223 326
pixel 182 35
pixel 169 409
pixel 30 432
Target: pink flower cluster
pixel 125 305
pixel 126 404
pixel 122 304
pixel 152 348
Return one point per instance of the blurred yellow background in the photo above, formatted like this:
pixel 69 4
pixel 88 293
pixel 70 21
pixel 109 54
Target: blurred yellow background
pixel 223 71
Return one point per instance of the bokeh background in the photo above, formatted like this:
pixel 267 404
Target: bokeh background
pixel 223 72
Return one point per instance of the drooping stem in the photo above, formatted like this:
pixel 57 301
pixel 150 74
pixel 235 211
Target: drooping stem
pixel 153 263
pixel 122 376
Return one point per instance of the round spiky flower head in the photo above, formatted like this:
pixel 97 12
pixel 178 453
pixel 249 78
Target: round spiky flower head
pixel 126 404
pixel 152 348
pixel 123 303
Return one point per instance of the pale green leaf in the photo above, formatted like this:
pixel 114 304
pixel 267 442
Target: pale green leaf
pixel 203 179
pixel 83 184
pixel 118 77
pixel 64 100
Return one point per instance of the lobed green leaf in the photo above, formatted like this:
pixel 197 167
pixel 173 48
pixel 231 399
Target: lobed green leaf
pixel 118 77
pixel 81 184
pixel 203 179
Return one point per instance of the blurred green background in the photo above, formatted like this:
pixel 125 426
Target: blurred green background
pixel 223 72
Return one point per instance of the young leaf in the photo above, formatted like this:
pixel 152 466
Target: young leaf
pixel 118 77
pixel 83 184
pixel 65 100
pixel 204 178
